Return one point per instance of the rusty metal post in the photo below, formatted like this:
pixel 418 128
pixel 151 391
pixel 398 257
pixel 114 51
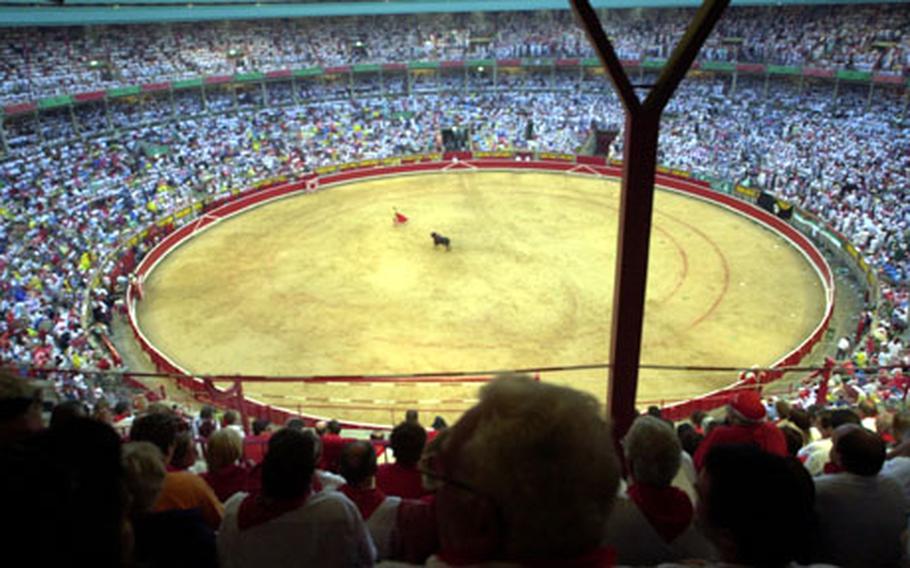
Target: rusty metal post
pixel 637 196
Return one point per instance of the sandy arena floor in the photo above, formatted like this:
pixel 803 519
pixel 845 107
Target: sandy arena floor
pixel 324 284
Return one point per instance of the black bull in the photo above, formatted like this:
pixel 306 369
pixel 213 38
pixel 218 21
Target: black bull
pixel 441 240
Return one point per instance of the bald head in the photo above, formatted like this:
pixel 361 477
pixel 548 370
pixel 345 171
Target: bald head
pixel 357 463
pixel 857 450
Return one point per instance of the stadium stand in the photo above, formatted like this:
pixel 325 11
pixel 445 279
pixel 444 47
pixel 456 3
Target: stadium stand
pixel 107 131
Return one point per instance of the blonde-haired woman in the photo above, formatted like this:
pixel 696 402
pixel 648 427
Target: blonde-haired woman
pixel 226 474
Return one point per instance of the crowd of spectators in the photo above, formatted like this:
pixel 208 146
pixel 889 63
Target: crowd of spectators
pixel 529 476
pixel 69 203
pixel 36 63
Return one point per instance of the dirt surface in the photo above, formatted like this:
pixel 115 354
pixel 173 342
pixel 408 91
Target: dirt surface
pixel 326 284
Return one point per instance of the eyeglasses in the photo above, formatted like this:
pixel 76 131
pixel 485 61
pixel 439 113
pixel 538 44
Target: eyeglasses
pixel 441 479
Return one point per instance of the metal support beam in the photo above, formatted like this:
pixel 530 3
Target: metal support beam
pixel 637 195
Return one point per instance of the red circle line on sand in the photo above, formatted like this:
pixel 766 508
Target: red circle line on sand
pixel 725 265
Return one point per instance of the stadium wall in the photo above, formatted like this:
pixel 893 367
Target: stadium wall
pixel 675 180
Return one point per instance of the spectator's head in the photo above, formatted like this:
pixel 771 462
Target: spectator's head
pixel 689 438
pixel 231 418
pixel 333 427
pixel 144 471
pixel 122 408
pixel 697 418
pixel 757 508
pixel 746 407
pixel 259 426
pixel 321 427
pixel 794 439
pixel 412 415
pixel 159 408
pixel 842 416
pixel 159 429
pixel 655 412
pixel 357 463
pixel 64 487
pixel 407 441
pixel 288 466
pixel 439 423
pixel 495 471
pixel 867 409
pixel 800 419
pixel 184 456
pixel 20 407
pixel 295 424
pixel 782 407
pixel 66 411
pixel 901 426
pixel 207 412
pixel 823 422
pixel 224 448
pixel 857 450
pixel 653 452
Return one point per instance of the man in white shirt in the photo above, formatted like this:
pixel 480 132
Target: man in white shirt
pixel 862 514
pixel 287 525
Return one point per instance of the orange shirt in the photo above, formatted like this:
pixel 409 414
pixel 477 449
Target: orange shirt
pixel 185 490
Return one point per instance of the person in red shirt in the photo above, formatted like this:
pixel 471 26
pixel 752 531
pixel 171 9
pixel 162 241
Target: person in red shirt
pixel 746 425
pixel 332 444
pixel 225 475
pixel 402 479
pixel 254 446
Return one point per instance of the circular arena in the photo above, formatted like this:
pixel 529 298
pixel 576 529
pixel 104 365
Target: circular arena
pixel 326 284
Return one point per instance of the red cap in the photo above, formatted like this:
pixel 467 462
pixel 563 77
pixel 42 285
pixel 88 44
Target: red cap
pixel 748 404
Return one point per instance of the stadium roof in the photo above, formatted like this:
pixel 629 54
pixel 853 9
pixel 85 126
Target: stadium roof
pixel 18 13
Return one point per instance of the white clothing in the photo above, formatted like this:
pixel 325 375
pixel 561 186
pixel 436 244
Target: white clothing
pixel 237 428
pixel 327 530
pixel 329 480
pixel 815 455
pixel 898 469
pixel 861 520
pixel 383 525
pixel 637 543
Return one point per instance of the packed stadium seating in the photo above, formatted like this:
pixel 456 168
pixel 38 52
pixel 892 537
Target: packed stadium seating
pixel 77 180
pixel 36 63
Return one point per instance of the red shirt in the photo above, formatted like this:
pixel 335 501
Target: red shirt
pixel 765 435
pixel 332 444
pixel 395 479
pixel 228 481
pixel 254 447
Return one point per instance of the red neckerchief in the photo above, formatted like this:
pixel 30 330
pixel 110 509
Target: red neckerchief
pixel 254 511
pixel 667 509
pixel 831 468
pixel 367 500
